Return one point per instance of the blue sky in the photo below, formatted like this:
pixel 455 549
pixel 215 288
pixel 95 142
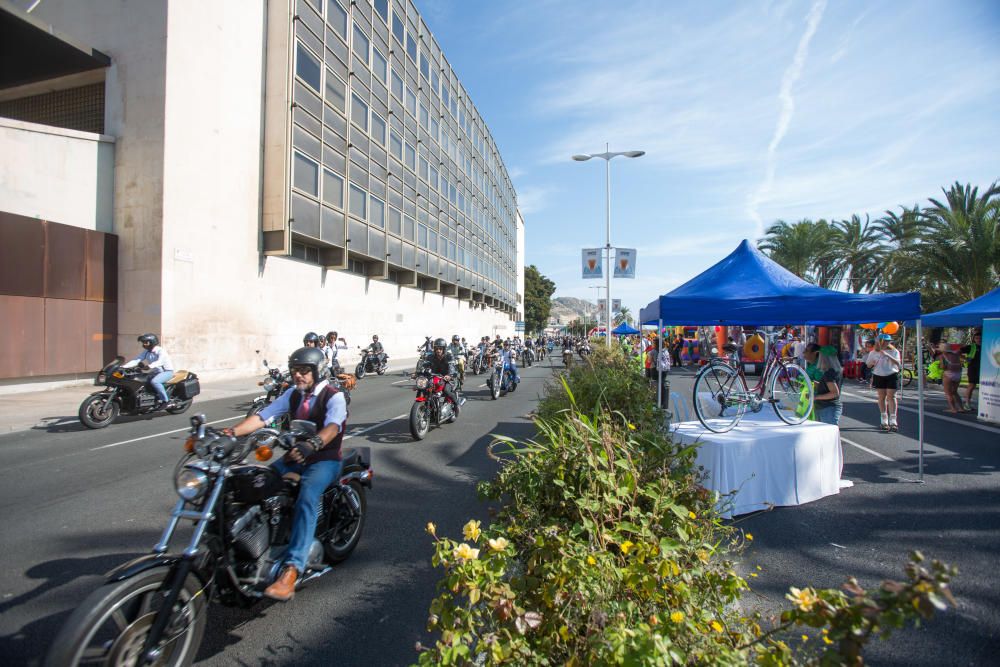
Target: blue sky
pixel 749 112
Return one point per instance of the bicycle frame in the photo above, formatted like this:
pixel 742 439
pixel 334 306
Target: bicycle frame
pixel 772 362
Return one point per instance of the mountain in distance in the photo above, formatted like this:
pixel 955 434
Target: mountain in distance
pixel 565 309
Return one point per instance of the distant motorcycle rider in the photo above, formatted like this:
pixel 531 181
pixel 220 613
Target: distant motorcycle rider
pixel 510 361
pixel 442 363
pixel 377 349
pixel 317 459
pixel 154 358
pixel 459 354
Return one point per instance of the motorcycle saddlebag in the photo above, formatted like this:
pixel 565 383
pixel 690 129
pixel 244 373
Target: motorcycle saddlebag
pixel 188 388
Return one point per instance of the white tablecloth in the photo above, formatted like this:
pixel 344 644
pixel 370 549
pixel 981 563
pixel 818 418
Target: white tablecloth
pixel 766 461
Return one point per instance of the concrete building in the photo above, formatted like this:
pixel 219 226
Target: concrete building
pixel 250 170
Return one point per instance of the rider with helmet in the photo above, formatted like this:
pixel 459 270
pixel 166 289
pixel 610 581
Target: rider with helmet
pixel 311 339
pixel 317 459
pixel 510 361
pixel 459 354
pixel 155 358
pixel 442 363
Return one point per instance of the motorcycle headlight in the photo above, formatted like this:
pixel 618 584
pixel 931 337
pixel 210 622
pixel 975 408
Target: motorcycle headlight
pixel 191 483
pixel 268 384
pixel 422 382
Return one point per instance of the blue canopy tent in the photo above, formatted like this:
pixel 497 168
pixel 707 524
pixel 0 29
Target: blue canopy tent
pixel 969 314
pixel 624 329
pixel 748 286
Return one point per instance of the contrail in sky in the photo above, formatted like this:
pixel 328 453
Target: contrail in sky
pixel 789 79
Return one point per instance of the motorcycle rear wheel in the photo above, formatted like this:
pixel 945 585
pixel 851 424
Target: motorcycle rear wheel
pixel 181 407
pixel 337 550
pixel 97 412
pixel 420 421
pixel 93 634
pixel 381 369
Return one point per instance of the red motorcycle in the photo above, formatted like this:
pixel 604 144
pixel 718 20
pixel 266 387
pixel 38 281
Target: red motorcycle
pixel 431 406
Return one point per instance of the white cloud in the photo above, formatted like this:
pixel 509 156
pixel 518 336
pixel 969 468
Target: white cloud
pixel 532 199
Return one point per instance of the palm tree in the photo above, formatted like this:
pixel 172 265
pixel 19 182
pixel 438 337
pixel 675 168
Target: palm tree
pixel 624 315
pixel 803 247
pixel 959 256
pixel 899 232
pixel 857 252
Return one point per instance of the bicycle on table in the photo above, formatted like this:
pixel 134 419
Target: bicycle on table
pixel 721 395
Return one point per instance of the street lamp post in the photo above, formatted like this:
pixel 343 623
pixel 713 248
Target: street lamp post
pixel 607 156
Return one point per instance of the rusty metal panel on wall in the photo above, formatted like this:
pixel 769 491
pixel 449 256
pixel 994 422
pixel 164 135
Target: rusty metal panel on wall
pixel 65 336
pixel 102 267
pixel 65 262
pixel 22 336
pixel 22 255
pixel 102 327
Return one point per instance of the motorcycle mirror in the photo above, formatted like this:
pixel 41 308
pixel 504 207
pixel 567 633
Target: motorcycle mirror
pixel 197 420
pixel 265 363
pixel 303 425
pixel 120 359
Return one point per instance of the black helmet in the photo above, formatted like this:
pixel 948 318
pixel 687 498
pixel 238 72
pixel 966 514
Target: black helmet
pixel 455 338
pixel 442 343
pixel 148 338
pixel 309 356
pixel 310 337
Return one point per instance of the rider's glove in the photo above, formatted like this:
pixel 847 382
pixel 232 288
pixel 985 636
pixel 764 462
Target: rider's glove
pixel 309 446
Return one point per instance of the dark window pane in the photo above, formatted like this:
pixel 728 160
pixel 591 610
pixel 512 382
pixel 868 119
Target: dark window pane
pixel 307 67
pixel 395 221
pixel 333 189
pixel 380 66
pixel 358 202
pixel 382 7
pixel 378 129
pixel 397 28
pixel 397 85
pixel 376 209
pixel 361 43
pixel 411 46
pixel 336 17
pixel 359 112
pixel 305 174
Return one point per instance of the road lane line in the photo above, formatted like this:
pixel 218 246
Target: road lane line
pixel 962 422
pixel 158 435
pixel 863 448
pixel 375 426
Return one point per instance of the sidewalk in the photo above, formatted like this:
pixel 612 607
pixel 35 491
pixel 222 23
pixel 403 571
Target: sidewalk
pixel 40 409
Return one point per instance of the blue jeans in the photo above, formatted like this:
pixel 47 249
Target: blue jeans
pixel 316 477
pixel 157 382
pixel 512 367
pixel 830 414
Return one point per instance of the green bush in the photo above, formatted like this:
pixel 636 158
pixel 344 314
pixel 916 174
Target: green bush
pixel 607 550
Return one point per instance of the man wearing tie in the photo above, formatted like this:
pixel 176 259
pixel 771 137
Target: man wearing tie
pixel 317 459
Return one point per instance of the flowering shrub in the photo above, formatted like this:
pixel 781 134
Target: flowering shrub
pixel 608 550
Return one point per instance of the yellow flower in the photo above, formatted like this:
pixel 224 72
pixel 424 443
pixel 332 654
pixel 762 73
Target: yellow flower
pixel 749 537
pixel 827 640
pixel 631 426
pixel 465 552
pixel 591 560
pixel 702 555
pixel 626 546
pixel 804 599
pixel 471 531
pixel 499 544
pixel 753 574
pixel 716 626
pixel 431 528
pixel 805 638
pixel 677 617
pixel 692 515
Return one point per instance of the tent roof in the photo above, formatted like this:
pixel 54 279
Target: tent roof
pixel 747 287
pixel 624 329
pixel 969 314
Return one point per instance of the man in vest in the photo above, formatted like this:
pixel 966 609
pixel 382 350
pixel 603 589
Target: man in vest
pixel 317 459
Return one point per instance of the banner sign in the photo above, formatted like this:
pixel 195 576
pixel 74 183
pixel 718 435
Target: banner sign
pixel 989 373
pixel 592 263
pixel 601 305
pixel 616 305
pixel 625 263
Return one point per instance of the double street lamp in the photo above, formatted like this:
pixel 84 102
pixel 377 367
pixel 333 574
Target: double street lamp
pixel 607 156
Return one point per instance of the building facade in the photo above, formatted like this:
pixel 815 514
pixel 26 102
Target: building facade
pixel 279 167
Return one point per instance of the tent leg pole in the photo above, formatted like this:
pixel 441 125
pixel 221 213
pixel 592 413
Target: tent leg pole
pixel 659 373
pixel 902 358
pixel 920 402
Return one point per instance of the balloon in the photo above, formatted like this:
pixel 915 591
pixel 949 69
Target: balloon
pixel 891 327
pixel 871 325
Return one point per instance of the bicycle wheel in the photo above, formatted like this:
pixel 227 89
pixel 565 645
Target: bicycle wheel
pixel 907 377
pixel 719 397
pixel 791 393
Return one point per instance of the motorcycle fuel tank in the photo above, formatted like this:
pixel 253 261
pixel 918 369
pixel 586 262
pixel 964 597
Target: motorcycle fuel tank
pixel 254 483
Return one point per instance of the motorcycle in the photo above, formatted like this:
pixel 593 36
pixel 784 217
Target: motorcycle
pixel 529 356
pixel 584 352
pixel 568 357
pixel 274 384
pixel 127 392
pixel 153 610
pixel 431 406
pixel 501 379
pixel 371 363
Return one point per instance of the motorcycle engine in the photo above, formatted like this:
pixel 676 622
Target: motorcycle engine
pixel 251 535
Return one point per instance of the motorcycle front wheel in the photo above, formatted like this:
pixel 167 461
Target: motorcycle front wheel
pixel 360 370
pixel 111 625
pixel 97 411
pixel 495 386
pixel 340 545
pixel 420 420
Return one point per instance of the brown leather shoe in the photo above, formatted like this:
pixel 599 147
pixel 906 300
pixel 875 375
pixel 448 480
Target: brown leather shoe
pixel 284 588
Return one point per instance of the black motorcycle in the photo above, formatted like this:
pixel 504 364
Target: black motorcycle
pixel 371 363
pixel 275 383
pixel 128 393
pixel 153 610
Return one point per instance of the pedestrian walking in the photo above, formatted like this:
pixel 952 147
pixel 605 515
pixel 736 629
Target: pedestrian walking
pixel 972 352
pixel 886 364
pixel 951 359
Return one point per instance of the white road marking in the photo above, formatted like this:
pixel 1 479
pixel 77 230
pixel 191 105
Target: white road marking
pixel 158 435
pixel 402 381
pixel 374 426
pixel 863 448
pixel 981 427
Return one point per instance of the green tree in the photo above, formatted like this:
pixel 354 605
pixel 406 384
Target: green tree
pixel 900 232
pixel 857 252
pixel 538 291
pixel 624 315
pixel 804 248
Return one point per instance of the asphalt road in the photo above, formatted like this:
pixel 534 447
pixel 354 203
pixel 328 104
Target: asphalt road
pixel 868 530
pixel 77 503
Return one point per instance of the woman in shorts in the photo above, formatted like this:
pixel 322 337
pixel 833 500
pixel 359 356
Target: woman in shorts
pixel 952 360
pixel 884 361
